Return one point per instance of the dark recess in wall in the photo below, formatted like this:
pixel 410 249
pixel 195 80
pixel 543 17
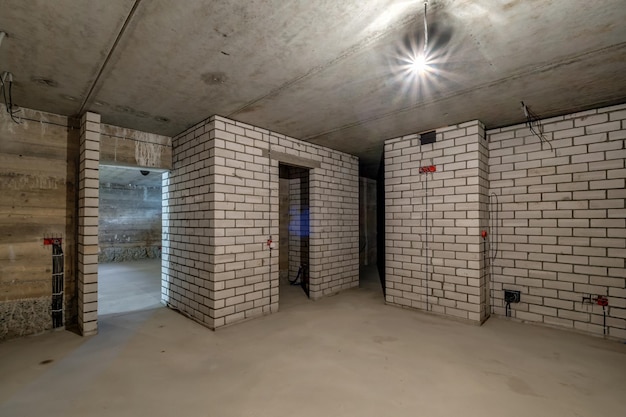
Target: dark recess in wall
pixel 380 221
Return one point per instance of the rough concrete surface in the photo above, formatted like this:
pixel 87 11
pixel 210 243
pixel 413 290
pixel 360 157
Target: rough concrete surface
pixel 115 254
pixel 347 355
pixel 334 72
pixel 24 317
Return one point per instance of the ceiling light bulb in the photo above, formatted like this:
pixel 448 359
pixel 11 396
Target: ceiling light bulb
pixel 419 64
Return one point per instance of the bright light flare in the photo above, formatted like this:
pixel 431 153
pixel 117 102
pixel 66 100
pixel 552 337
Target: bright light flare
pixel 419 64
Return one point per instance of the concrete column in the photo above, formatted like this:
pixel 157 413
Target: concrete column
pixel 88 224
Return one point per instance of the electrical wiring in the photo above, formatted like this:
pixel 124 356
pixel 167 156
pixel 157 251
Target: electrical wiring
pixel 495 204
pixel 494 209
pixel 533 119
pixel 269 214
pixel 425 28
pixel 7 78
pixel 426 243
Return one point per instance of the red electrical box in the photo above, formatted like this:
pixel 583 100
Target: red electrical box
pixel 426 169
pixel 602 301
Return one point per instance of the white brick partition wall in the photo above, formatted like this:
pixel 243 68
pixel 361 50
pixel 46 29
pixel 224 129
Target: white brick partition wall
pixel 187 226
pixel 221 201
pixel 447 210
pixel 562 219
pixel 88 192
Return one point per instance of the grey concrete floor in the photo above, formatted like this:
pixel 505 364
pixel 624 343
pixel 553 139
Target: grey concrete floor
pixel 345 355
pixel 129 286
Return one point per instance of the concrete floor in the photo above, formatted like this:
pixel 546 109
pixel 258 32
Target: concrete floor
pixel 129 286
pixel 346 355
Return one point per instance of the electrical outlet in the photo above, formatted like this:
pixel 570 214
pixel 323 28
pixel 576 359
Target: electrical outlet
pixel 511 296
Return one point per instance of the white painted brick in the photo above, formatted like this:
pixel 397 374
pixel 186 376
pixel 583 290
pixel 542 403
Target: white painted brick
pixel 590 213
pixel 235 192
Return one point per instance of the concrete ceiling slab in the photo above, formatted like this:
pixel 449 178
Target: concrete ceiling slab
pixel 55 49
pixel 330 72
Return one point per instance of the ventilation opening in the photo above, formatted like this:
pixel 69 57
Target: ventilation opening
pixel 428 137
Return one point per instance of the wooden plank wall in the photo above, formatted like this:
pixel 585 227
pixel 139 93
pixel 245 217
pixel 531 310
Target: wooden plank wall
pixel 37 199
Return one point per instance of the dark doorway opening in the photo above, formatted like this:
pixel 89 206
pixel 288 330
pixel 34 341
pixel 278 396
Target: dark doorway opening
pixel 294 233
pixel 380 223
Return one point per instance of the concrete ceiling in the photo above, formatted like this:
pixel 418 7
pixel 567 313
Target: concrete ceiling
pixel 326 71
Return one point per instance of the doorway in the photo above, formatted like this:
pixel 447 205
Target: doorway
pixel 294 238
pixel 369 276
pixel 129 240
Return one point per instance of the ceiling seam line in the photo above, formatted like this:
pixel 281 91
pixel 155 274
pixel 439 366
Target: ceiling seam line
pixel 118 38
pixel 565 61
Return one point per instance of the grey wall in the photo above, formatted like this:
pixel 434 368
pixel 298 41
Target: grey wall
pixel 130 222
pixel 38 192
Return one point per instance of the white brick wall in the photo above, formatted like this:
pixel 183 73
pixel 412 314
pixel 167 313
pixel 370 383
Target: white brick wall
pixel 222 207
pixel 88 223
pixel 562 228
pixel 187 259
pixel 447 210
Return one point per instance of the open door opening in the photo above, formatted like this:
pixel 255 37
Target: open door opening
pixel 380 224
pixel 368 236
pixel 294 234
pixel 129 240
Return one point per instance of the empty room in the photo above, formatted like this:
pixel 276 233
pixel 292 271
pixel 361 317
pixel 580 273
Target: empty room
pixel 303 208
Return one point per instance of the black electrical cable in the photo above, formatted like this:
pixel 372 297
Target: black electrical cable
pixel 496 219
pixel 295 280
pixel 532 118
pixel 426 244
pixel 425 28
pixel 269 217
pixel 8 103
pixel 494 209
pixel 301 277
pixel 22 118
pixel 57 284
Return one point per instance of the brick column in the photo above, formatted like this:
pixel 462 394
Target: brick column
pixel 88 224
pixel 435 253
